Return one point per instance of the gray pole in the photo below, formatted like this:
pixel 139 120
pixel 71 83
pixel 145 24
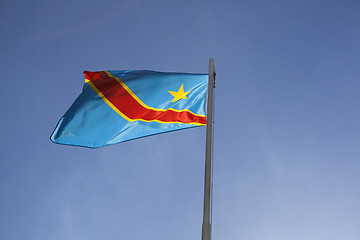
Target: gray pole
pixel 206 225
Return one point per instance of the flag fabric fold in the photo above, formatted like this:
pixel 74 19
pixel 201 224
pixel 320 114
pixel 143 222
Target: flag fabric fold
pixel 117 106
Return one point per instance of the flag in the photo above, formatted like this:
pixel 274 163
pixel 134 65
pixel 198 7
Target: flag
pixel 117 106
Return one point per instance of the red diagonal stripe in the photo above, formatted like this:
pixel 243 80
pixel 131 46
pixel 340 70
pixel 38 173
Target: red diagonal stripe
pixel 130 107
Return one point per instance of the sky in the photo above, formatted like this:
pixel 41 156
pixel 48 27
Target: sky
pixel 287 133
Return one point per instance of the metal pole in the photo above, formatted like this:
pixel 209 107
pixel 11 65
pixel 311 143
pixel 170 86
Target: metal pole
pixel 206 225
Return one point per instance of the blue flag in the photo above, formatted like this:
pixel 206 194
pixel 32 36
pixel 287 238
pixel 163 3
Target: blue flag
pixel 117 106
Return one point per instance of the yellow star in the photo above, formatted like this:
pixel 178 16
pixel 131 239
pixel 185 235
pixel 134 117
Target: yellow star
pixel 180 94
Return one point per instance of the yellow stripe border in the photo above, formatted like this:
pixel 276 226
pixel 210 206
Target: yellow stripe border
pixel 139 101
pixel 143 104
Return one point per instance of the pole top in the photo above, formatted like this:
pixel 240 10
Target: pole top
pixel 212 71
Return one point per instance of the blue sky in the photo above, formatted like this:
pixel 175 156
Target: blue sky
pixel 287 153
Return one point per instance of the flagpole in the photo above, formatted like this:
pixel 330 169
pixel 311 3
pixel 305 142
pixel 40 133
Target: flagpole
pixel 206 225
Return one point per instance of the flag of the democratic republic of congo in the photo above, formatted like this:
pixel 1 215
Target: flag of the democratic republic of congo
pixel 117 106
